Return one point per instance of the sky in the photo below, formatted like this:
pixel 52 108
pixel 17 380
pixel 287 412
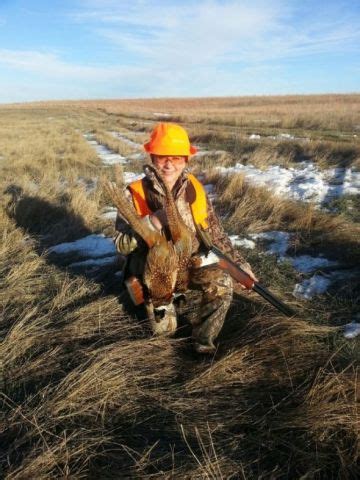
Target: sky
pixel 83 49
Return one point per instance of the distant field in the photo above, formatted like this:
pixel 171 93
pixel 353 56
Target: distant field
pixel 301 112
pixel 85 391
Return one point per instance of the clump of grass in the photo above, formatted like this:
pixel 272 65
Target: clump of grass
pixel 347 206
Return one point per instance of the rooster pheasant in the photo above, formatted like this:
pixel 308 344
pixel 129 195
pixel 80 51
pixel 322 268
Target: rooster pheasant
pixel 162 263
pixel 167 262
pixel 180 233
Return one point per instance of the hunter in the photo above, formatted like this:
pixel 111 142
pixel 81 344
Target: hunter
pixel 169 149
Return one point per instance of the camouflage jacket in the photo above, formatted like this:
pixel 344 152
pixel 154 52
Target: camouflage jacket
pixel 156 196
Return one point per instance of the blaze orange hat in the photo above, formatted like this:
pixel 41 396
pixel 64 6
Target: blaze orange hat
pixel 169 139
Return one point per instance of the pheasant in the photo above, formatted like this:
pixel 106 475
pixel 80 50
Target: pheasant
pixel 162 263
pixel 181 235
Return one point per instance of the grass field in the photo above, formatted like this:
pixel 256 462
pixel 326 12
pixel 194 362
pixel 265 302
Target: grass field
pixel 86 391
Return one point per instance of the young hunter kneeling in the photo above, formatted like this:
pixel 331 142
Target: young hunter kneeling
pixel 169 150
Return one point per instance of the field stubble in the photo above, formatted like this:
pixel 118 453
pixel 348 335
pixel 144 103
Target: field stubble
pixel 87 393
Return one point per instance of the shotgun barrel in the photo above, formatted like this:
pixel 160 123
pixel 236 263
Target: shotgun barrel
pixel 227 264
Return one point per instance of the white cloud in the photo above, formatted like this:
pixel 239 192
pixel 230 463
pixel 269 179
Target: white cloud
pixel 211 32
pixel 208 47
pixel 207 31
pixel 51 66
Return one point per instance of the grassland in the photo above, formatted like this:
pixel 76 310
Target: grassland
pixel 88 393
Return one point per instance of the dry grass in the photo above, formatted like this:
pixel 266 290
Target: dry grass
pixel 274 151
pixel 309 112
pixel 87 393
pixel 328 125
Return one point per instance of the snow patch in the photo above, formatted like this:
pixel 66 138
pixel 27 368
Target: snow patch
pixel 278 244
pixel 95 246
pixel 242 242
pixel 307 263
pixel 351 330
pixel 279 241
pixel 306 183
pixel 132 177
pixel 209 259
pixel 318 284
pixel 126 140
pixel 107 156
pixel 315 285
pixel 280 136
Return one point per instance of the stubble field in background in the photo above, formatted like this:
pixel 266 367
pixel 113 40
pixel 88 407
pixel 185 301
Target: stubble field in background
pixel 86 391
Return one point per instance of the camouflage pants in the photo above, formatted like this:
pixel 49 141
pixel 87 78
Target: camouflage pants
pixel 209 295
pixel 206 303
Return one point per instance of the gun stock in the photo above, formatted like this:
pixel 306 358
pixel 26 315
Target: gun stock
pixel 239 275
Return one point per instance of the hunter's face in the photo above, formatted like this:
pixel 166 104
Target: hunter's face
pixel 170 167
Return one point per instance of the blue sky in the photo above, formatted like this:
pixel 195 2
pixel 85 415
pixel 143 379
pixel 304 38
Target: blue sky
pixel 83 49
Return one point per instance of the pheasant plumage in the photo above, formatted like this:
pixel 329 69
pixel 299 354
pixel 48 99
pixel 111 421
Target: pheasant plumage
pixel 181 235
pixel 162 263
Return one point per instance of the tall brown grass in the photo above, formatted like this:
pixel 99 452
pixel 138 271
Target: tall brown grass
pixel 87 393
pixel 306 112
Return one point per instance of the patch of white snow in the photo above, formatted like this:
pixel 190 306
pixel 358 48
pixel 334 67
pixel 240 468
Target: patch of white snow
pixel 315 285
pixel 131 177
pixel 242 242
pixel 351 330
pixel 90 246
pixel 279 241
pixel 307 263
pixel 107 156
pixel 305 183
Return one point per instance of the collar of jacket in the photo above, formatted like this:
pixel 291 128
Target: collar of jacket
pixel 179 186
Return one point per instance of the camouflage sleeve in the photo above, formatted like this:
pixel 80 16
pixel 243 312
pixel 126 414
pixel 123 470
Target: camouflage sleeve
pixel 220 237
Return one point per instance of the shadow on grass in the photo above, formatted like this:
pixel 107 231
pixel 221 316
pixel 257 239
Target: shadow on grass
pixel 48 224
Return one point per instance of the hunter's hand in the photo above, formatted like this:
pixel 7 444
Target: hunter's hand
pixel 247 269
pixel 158 219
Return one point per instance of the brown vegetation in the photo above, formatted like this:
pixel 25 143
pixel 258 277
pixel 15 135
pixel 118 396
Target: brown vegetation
pixel 87 393
pixel 310 112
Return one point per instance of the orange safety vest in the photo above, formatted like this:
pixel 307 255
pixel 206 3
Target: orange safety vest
pixel 198 207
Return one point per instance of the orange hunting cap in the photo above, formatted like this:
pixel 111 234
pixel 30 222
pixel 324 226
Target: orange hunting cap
pixel 169 139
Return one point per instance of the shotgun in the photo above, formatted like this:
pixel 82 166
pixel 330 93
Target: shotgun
pixel 239 275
